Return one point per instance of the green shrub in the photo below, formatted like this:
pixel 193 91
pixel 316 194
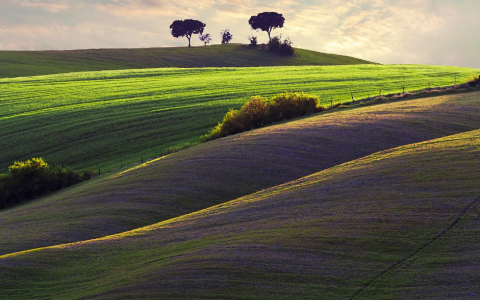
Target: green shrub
pixel 233 122
pixel 256 112
pixel 289 105
pixel 259 111
pixel 32 178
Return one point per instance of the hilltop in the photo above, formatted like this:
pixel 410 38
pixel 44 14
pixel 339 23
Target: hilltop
pixel 32 63
pixel 228 168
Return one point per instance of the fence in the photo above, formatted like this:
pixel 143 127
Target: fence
pixel 420 92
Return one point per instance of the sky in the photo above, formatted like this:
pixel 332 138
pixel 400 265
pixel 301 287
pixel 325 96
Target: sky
pixel 433 32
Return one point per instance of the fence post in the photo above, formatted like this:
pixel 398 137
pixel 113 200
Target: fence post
pixel 353 101
pixel 99 171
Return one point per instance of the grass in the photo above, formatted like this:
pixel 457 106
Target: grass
pixel 446 269
pixel 107 119
pixel 228 168
pixel 323 236
pixel 34 63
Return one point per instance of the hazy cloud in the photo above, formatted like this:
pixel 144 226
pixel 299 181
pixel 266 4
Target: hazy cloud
pixel 438 32
pixel 50 6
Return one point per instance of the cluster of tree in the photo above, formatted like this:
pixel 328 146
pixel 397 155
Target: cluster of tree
pixel 32 178
pixel 259 111
pixel 266 21
pixel 224 34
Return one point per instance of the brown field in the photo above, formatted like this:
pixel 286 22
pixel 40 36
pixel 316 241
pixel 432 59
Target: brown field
pixel 228 168
pixel 398 224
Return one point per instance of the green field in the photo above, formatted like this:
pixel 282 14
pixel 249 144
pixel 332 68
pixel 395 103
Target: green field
pixel 225 169
pixel 33 63
pixel 373 202
pixel 370 228
pixel 105 119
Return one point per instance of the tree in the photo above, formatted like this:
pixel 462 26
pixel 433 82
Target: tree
pixel 205 38
pixel 253 41
pixel 267 21
pixel 186 28
pixel 226 36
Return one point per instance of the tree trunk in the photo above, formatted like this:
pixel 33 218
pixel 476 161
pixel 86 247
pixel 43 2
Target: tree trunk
pixel 269 38
pixel 188 41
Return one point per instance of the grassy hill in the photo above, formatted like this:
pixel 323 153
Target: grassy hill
pixel 112 118
pixel 357 231
pixel 225 169
pixel 32 63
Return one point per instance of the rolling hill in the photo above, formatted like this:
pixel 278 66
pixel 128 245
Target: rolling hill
pixel 228 168
pixel 113 118
pixel 33 63
pixel 378 201
pixel 357 231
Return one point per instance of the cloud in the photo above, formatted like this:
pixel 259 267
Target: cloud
pixel 131 9
pixel 50 6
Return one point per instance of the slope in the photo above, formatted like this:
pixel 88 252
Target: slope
pixel 222 170
pixel 447 269
pixel 324 236
pixel 33 63
pixel 109 119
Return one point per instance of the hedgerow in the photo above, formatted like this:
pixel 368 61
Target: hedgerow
pixel 32 178
pixel 259 111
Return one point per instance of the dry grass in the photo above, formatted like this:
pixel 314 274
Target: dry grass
pixel 323 236
pixel 228 168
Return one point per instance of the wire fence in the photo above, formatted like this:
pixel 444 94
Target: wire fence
pixel 426 91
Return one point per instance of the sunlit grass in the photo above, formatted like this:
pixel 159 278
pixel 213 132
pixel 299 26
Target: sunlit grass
pixel 113 118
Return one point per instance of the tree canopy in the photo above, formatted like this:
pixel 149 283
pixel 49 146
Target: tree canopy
pixel 186 28
pixel 267 21
pixel 205 38
pixel 226 36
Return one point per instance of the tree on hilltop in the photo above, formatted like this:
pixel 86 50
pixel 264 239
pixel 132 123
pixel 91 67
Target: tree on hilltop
pixel 186 28
pixel 267 21
pixel 205 38
pixel 226 36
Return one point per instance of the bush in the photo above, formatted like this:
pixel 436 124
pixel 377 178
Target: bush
pixel 275 43
pixel 253 41
pixel 256 112
pixel 32 178
pixel 473 80
pixel 289 105
pixel 232 123
pixel 286 47
pixel 259 111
